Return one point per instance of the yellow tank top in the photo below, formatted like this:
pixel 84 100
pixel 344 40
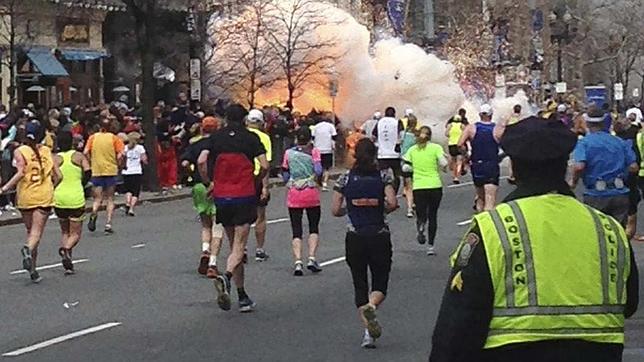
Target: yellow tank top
pixel 69 193
pixel 35 188
pixel 455 132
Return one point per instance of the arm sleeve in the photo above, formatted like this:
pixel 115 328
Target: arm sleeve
pixel 464 317
pixel 632 288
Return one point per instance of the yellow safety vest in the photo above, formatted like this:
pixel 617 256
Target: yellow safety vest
pixel 559 270
pixel 640 147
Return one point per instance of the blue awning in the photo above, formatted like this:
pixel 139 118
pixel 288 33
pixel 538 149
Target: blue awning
pixel 46 63
pixel 83 54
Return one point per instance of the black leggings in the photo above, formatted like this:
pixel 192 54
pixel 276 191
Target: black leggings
pixel 427 202
pixel 374 252
pixel 313 215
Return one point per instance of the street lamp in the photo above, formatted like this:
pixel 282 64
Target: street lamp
pixel 560 21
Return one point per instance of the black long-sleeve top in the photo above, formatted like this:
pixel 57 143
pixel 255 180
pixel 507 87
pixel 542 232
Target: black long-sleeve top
pixel 464 317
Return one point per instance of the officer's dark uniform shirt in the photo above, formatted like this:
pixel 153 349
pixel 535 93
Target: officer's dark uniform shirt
pixel 464 317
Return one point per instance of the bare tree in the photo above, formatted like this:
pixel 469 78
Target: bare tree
pixel 144 14
pixel 243 61
pixel 293 34
pixel 18 30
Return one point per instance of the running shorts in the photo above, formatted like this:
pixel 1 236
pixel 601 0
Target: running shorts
pixel 327 160
pixel 104 181
pixel 132 184
pixel 454 151
pixel 236 214
pixel 258 194
pixel 71 214
pixel 485 173
pixel 201 201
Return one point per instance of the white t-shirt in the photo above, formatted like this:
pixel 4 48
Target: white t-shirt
pixel 134 155
pixel 323 134
pixel 638 114
pixel 387 138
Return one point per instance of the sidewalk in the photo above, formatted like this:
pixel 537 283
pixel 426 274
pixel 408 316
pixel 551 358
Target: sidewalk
pixel 13 217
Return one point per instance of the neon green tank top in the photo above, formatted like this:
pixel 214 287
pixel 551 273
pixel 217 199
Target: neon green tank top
pixel 455 133
pixel 69 194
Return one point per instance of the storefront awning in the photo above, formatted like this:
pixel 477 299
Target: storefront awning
pixel 82 54
pixel 46 63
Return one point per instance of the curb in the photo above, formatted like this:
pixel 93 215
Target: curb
pixel 155 200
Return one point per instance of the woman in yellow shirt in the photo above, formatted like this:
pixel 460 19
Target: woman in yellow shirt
pixel 36 177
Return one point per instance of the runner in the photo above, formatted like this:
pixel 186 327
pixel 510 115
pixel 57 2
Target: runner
pixel 369 194
pixel 369 125
pixel 301 167
pixel 324 135
pixel 212 233
pixel 255 124
pixel 69 196
pixel 387 135
pixel 232 151
pixel 136 157
pixel 408 139
pixel 424 161
pixel 36 176
pixel 105 152
pixel 484 138
pixel 453 133
pixel 629 129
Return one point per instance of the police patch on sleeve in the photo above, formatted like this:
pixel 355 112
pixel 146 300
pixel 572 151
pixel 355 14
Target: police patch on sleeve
pixel 470 242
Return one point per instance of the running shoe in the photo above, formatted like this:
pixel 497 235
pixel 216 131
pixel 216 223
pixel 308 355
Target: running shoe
pixel 456 181
pixel 222 284
pixel 27 260
pixel 91 225
pixel 131 213
pixel 212 272
pixel 313 266
pixel 203 263
pixel 108 229
pixel 35 276
pixel 430 250
pixel 367 341
pixel 260 255
pixel 246 305
pixel 325 187
pixel 127 210
pixel 299 269
pixel 512 181
pixel 410 213
pixel 66 260
pixel 422 239
pixel 373 327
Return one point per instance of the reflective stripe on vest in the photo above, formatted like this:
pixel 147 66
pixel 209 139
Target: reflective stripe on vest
pixel 640 146
pixel 523 313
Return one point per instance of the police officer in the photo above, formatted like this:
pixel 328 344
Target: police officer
pixel 605 162
pixel 541 277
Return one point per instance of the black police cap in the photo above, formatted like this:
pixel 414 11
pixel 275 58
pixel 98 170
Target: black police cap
pixel 536 139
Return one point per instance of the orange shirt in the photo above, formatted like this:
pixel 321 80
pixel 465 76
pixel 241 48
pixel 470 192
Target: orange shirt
pixel 104 148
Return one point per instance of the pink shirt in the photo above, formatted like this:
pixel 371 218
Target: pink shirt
pixel 307 197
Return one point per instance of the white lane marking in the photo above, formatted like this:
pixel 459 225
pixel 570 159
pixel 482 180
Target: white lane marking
pixel 51 342
pixel 278 220
pixel 45 267
pixel 463 223
pixel 333 261
pixel 138 246
pixel 470 183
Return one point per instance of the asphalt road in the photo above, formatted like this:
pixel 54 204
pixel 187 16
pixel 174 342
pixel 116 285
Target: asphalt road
pixel 143 281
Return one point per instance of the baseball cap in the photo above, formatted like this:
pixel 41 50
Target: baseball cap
pixel 377 115
pixel 32 129
pixel 255 116
pixel 595 116
pixel 486 109
pixel 409 111
pixel 561 108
